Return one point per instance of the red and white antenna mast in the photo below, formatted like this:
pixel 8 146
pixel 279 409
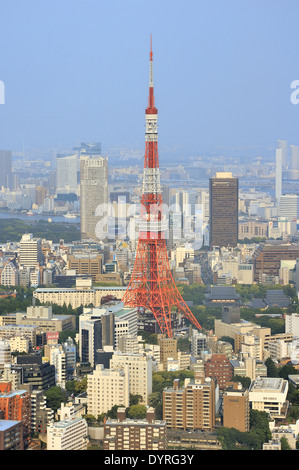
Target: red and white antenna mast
pixel 152 286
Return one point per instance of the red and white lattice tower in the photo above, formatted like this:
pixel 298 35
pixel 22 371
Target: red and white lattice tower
pixel 152 286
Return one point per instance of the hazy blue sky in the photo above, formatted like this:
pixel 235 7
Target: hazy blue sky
pixel 77 70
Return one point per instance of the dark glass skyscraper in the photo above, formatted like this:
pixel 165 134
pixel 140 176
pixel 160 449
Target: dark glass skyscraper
pixel 224 209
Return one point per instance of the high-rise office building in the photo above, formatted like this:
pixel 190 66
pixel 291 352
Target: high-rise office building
pixel 289 206
pixel 224 210
pixel 66 173
pixel 96 330
pixel 30 251
pixel 93 192
pixel 87 263
pixel 6 167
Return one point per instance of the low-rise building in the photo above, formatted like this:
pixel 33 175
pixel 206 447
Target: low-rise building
pixel 68 434
pixel 135 434
pixel 270 395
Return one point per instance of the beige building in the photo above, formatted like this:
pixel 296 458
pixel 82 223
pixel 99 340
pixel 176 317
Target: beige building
pixel 69 434
pixel 106 388
pixel 83 294
pixel 168 349
pixel 270 395
pixel 29 333
pixel 191 406
pixel 93 196
pixel 237 331
pixel 30 251
pixel 86 263
pixel 42 318
pixel 140 368
pixel 251 345
pixel 253 228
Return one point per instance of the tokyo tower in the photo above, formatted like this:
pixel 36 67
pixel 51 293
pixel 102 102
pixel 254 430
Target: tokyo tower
pixel 152 286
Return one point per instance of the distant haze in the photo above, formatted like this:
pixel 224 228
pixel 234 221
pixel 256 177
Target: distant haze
pixel 77 71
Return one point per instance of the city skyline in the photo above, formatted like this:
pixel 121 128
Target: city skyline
pixel 149 305
pixel 75 72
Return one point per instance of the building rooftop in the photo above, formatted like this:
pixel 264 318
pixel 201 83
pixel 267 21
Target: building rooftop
pixel 267 384
pixel 225 293
pixel 6 424
pixel 277 298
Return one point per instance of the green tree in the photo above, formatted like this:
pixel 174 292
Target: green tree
pixel 245 381
pixel 259 423
pixel 286 370
pixel 285 444
pixel 271 368
pixel 113 412
pixel 55 396
pixel 90 419
pixel 136 412
pixel 135 399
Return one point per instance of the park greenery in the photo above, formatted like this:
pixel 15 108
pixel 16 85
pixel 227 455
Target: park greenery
pixel 13 229
pixel 206 314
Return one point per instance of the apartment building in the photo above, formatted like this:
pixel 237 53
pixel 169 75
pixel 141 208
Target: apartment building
pixel 139 368
pixel 10 275
pixel 11 435
pixel 16 405
pixel 41 416
pixel 218 367
pixel 68 434
pixel 191 406
pixel 135 434
pixel 168 349
pixel 106 388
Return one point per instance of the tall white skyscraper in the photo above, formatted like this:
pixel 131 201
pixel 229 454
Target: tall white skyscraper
pixel 30 251
pixel 66 174
pixel 93 191
pixel 283 145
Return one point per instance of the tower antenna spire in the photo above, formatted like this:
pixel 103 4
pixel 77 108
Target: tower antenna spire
pixel 151 98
